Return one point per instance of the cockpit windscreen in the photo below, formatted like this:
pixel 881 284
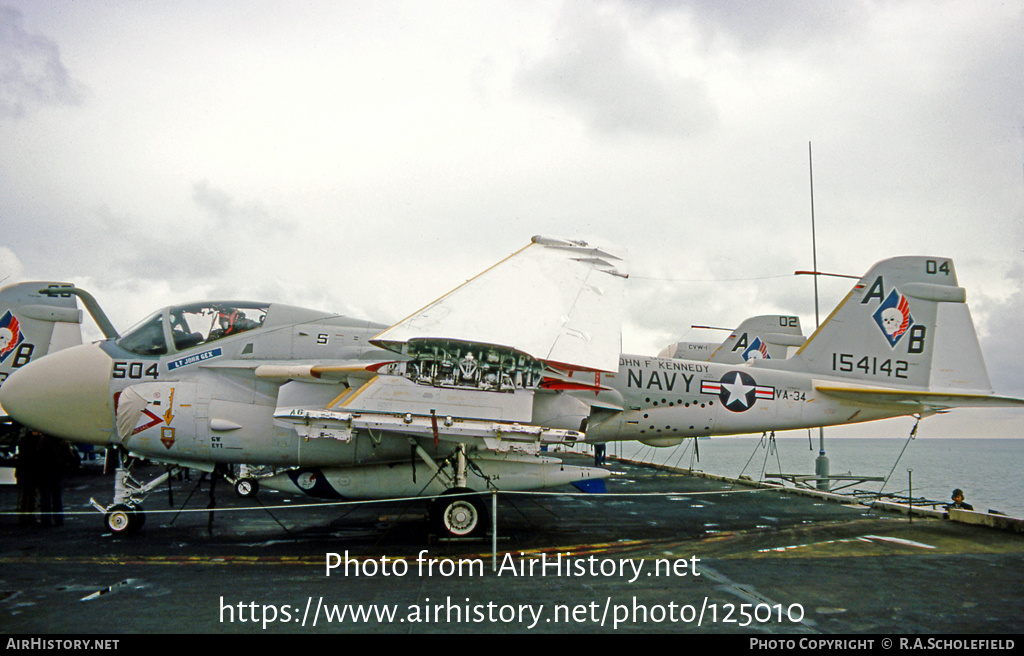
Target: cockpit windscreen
pixel 192 325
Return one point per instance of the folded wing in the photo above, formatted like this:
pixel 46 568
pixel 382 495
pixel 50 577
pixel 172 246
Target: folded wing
pixel 558 301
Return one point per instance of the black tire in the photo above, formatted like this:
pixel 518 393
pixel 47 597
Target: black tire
pixel 460 516
pixel 122 519
pixel 246 487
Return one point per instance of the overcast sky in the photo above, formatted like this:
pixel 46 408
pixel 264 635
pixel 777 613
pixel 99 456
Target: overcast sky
pixel 364 158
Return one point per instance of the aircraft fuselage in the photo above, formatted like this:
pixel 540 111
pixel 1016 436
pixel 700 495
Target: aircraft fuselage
pixel 666 400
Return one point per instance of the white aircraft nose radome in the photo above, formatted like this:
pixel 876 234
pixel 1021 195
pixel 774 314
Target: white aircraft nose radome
pixel 65 394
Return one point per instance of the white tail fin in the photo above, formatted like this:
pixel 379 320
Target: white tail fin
pixel 33 324
pixel 905 324
pixel 767 336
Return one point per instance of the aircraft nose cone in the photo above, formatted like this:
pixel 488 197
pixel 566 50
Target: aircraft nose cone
pixel 65 394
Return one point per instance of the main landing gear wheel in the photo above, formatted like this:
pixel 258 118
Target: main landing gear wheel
pixel 460 517
pixel 122 519
pixel 246 487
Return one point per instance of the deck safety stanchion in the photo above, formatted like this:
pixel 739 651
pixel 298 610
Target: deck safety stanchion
pixel 494 530
pixel 910 495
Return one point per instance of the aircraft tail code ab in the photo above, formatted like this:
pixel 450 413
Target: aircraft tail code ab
pixel 905 323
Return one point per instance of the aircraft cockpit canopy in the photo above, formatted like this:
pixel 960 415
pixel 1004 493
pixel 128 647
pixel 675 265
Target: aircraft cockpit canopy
pixel 195 324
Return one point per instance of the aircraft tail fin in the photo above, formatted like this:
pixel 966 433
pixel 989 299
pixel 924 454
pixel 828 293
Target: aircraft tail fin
pixel 33 324
pixel 767 336
pixel 905 324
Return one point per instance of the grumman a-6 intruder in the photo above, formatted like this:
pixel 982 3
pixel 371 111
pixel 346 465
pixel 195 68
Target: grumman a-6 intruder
pixel 461 395
pixel 446 408
pixel 902 342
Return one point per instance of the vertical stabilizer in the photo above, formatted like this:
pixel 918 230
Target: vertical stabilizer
pixel 767 336
pixel 905 323
pixel 757 338
pixel 33 324
pixel 957 362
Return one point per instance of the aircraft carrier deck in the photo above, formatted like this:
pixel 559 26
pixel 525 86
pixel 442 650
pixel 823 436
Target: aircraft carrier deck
pixel 680 553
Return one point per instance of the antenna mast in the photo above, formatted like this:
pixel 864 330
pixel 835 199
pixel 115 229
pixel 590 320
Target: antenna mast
pixel 821 465
pixel 814 240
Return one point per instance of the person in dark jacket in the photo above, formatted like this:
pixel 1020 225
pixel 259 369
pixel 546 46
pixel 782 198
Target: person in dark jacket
pixel 26 475
pixel 54 461
pixel 958 501
pixel 42 462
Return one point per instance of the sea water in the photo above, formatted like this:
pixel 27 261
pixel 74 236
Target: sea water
pixel 990 471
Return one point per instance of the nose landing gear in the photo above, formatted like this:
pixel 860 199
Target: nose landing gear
pixel 125 515
pixel 124 519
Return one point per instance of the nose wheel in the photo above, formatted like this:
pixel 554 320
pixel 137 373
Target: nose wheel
pixel 124 519
pixel 459 516
pixel 246 487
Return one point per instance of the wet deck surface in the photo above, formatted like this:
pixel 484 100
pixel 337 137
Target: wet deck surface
pixel 768 561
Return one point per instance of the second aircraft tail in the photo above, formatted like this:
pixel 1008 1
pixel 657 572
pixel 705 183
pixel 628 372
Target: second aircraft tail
pixel 33 324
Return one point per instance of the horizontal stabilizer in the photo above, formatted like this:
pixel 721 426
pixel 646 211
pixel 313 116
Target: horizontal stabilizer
pixel 925 401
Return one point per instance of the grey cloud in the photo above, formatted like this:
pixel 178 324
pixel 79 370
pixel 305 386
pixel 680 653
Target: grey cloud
pixel 594 69
pixel 10 265
pixel 147 254
pixel 1001 344
pixel 231 213
pixel 756 25
pixel 31 71
pixel 204 247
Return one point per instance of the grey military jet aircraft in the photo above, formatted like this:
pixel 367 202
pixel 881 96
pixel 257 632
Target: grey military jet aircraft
pixel 902 342
pixel 764 336
pixel 439 404
pixel 471 389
